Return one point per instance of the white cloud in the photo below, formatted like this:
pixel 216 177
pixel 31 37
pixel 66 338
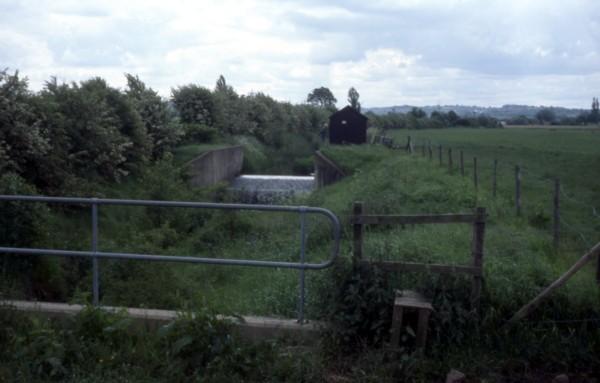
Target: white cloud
pixel 393 52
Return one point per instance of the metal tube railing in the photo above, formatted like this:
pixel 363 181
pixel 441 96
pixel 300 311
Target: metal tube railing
pixel 95 255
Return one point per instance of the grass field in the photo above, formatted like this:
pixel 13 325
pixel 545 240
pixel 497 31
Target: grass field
pixel 572 155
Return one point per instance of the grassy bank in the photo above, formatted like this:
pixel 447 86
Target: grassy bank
pixel 561 336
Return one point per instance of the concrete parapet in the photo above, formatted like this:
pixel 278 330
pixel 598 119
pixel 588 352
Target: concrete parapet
pixel 215 166
pixel 248 327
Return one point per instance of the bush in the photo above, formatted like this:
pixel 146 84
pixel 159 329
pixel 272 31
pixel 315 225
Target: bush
pixel 303 166
pixel 24 224
pixel 199 133
pixel 361 309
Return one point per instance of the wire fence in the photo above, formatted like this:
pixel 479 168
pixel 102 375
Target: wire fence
pixel 526 181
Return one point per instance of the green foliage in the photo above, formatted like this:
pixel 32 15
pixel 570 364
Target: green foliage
pixel 199 133
pixel 360 310
pixel 195 104
pixel 545 115
pixel 97 345
pixel 418 119
pixel 154 112
pixel 353 99
pixel 23 143
pixel 321 97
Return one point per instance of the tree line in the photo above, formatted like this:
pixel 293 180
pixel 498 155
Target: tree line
pixel 68 136
pixel 549 116
pixel 417 118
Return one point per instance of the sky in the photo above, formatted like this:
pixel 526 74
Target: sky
pixel 415 52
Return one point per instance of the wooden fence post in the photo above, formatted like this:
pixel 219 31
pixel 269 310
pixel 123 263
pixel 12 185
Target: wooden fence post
pixel 494 177
pixel 462 164
pixel 475 178
pixel 440 154
pixel 409 148
pixel 450 160
pixel 477 253
pixel 556 235
pixel 358 233
pixel 518 189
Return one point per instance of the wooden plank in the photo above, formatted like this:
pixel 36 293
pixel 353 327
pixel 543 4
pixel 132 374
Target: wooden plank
pixel 420 267
pixel 529 307
pixel 422 327
pixel 412 219
pixel 412 301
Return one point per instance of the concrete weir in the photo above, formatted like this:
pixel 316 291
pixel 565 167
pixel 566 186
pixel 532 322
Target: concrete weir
pixel 271 188
pixel 249 327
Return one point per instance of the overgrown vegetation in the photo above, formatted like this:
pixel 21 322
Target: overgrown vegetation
pixel 143 141
pixel 97 346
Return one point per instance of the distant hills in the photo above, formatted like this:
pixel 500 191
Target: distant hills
pixel 502 113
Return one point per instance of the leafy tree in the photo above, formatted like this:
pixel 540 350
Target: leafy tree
pixel 582 118
pixel 195 104
pixel 452 118
pixel 520 120
pixel 23 143
pixel 94 130
pixel 417 113
pixel 163 131
pixel 229 110
pixel 594 116
pixel 353 99
pixel 546 115
pixel 440 118
pixel 321 97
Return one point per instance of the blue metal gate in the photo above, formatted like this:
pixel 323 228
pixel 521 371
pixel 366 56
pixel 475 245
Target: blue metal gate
pixel 94 254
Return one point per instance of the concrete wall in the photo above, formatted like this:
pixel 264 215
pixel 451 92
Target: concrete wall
pixel 326 171
pixel 249 327
pixel 216 166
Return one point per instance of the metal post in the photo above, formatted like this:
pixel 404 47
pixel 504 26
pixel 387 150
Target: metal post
pixel 95 267
pixel 302 260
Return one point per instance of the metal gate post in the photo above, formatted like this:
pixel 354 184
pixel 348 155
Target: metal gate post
pixel 302 260
pixel 95 269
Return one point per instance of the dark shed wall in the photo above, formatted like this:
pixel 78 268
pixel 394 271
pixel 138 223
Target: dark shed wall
pixel 353 131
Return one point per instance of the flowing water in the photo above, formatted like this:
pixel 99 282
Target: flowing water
pixel 270 188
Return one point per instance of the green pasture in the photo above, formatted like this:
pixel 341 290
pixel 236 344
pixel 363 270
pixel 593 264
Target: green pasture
pixel 572 155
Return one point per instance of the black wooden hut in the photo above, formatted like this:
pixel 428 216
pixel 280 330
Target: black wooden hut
pixel 347 126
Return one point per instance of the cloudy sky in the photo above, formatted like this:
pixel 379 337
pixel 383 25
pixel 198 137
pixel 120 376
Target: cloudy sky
pixel 419 52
